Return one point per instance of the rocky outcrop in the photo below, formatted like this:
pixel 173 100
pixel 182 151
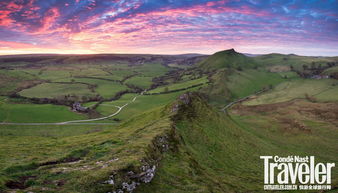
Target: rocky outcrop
pixel 127 180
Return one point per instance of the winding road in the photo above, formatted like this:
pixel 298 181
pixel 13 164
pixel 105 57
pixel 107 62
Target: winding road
pixel 85 121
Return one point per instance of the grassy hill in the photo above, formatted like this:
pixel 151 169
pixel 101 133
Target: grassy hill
pixel 227 59
pixel 219 152
pixel 77 158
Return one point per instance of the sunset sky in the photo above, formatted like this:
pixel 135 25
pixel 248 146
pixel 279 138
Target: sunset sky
pixel 305 27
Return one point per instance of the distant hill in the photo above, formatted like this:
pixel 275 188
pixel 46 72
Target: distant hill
pixel 227 59
pixel 251 55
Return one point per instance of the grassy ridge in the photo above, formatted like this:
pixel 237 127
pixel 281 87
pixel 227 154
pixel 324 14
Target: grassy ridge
pixel 220 153
pixel 80 160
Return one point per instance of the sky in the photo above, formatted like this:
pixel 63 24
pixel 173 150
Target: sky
pixel 304 27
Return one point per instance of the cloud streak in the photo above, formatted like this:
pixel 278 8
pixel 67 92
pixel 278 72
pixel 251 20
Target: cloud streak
pixel 168 26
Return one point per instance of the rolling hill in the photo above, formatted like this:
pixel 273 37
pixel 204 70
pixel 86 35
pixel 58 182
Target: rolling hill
pixel 227 59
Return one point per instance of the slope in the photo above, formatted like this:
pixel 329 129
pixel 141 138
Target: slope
pixel 220 152
pixel 227 59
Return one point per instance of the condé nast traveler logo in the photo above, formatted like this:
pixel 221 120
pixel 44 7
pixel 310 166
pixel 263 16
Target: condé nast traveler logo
pixel 296 173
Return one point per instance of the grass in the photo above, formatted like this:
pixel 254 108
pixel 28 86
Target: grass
pixel 296 61
pixel 53 90
pixel 151 69
pixel 329 95
pixel 107 108
pixel 331 70
pixel 323 90
pixel 104 88
pixel 220 153
pixel 146 103
pixel 179 85
pixel 140 81
pixel 244 83
pixel 227 59
pixel 289 75
pixel 143 103
pixel 229 85
pixel 95 149
pixel 11 80
pixel 34 113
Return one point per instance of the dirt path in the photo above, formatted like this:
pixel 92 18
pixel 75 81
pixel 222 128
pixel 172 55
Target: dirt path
pixel 85 121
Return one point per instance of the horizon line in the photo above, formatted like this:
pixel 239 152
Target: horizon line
pixel 160 54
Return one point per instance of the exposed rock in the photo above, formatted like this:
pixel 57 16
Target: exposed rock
pixel 148 174
pixel 128 179
pixel 174 108
pixel 185 98
pixel 117 191
pixel 129 187
pixel 110 180
pixel 162 142
pixel 78 107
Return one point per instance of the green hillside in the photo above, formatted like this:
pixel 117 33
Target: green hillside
pixel 219 152
pixel 293 60
pixel 227 59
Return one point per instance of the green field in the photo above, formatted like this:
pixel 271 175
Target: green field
pixel 11 80
pixel 292 60
pixel 243 83
pixel 142 104
pixel 323 90
pixel 54 90
pixel 140 81
pixel 34 113
pixel 104 88
pixel 179 85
